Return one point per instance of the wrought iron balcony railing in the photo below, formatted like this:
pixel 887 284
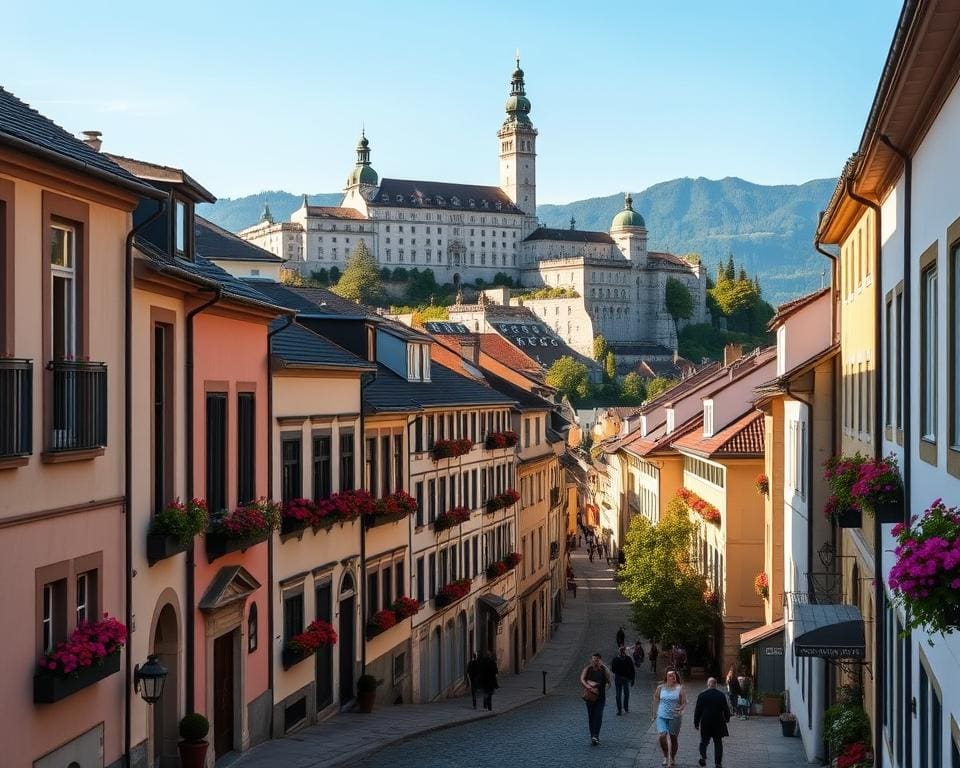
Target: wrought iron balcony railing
pixel 79 416
pixel 16 408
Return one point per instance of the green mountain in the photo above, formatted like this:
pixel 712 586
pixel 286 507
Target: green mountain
pixel 768 229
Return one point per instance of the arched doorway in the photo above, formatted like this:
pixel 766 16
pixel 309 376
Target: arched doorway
pixel 166 645
pixel 435 663
pixel 346 641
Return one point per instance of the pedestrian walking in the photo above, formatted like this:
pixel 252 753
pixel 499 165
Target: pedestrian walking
pixel 595 679
pixel 488 679
pixel 743 698
pixel 710 716
pixel 473 677
pixel 733 689
pixel 624 676
pixel 637 654
pixel 669 701
pixel 621 637
pixel 590 552
pixel 653 657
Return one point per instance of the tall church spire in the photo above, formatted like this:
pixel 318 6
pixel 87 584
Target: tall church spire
pixel 363 173
pixel 518 148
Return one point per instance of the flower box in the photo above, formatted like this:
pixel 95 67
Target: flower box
pixel 293 656
pixel 161 546
pixel 290 527
pixel 878 489
pixel 391 509
pixel 503 500
pixel 380 622
pixel 704 508
pixel 888 512
pixel 247 525
pixel 496 440
pixel 49 686
pixel 317 634
pixel 450 593
pixel 851 517
pixel 405 607
pixel 451 519
pixel 499 568
pixel 450 449
pixel 219 544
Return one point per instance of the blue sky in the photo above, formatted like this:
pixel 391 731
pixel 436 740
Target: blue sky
pixel 272 95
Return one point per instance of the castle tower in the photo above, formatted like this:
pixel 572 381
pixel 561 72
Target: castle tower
pixel 518 148
pixel 629 232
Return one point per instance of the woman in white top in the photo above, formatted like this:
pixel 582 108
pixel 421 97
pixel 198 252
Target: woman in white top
pixel 669 701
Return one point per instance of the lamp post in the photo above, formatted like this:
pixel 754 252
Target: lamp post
pixel 148 680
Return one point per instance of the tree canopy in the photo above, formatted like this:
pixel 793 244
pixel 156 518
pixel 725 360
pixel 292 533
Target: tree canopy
pixel 361 277
pixel 569 378
pixel 678 300
pixel 658 385
pixel 633 390
pixel 610 367
pixel 600 349
pixel 659 580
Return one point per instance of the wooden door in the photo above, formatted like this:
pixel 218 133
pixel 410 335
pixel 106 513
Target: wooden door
pixel 223 694
pixel 324 670
pixel 348 651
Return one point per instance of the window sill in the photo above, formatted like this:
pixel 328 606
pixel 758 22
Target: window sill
pixel 62 457
pixel 928 451
pixel 953 461
pixel 14 462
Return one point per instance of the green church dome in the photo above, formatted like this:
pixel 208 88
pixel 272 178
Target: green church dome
pixel 363 174
pixel 628 218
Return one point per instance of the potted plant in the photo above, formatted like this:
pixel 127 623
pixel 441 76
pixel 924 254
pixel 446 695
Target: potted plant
pixel 194 728
pixel 90 654
pixel 173 528
pixel 366 693
pixel 841 472
pixel 879 490
pixel 762 585
pixel 247 525
pixel 788 723
pixel 925 578
pixel 844 724
pixel 763 484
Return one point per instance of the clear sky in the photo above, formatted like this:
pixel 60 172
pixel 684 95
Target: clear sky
pixel 248 96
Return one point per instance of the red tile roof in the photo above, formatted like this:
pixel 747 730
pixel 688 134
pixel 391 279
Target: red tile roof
pixel 788 308
pixel 657 439
pixel 503 351
pixel 743 437
pixel 334 212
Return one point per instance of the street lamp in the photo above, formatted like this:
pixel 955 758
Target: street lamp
pixel 148 680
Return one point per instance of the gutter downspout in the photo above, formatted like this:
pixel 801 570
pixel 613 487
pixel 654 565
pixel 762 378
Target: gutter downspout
pixel 270 494
pixel 907 403
pixel 879 650
pixel 191 552
pixel 128 464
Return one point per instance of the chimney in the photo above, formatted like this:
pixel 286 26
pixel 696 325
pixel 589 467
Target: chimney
pixel 732 353
pixel 470 349
pixel 92 139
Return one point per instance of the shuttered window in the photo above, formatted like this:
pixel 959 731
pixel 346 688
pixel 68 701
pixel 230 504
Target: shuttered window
pixel 216 479
pixel 246 447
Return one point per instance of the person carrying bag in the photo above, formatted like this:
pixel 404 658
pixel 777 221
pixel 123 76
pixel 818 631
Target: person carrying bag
pixel 595 679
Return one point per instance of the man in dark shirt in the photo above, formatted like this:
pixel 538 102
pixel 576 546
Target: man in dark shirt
pixel 710 717
pixel 624 674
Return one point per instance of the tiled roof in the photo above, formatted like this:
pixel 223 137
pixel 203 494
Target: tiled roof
pixel 568 236
pixel 25 128
pixel 217 243
pixel 163 174
pixel 743 437
pixel 669 258
pixel 526 400
pixel 334 212
pixel 405 193
pixel 500 349
pixel 698 379
pixel 391 393
pixel 402 330
pixel 298 345
pixel 314 301
pixel 788 308
pixel 449 357
pixel 657 439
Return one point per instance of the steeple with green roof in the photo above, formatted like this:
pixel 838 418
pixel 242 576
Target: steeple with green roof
pixel 362 173
pixel 628 218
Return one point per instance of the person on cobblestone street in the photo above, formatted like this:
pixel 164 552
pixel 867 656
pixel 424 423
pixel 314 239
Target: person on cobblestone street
pixel 733 688
pixel 473 677
pixel 488 679
pixel 669 701
pixel 621 637
pixel 653 657
pixel 710 717
pixel 637 654
pixel 624 675
pixel 595 679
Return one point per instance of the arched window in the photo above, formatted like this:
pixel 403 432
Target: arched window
pixel 252 638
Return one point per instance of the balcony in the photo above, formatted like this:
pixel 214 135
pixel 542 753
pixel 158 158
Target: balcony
pixel 554 497
pixel 78 421
pixel 16 408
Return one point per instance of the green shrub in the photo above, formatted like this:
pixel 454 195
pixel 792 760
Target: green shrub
pixel 182 521
pixel 845 724
pixel 367 684
pixel 194 727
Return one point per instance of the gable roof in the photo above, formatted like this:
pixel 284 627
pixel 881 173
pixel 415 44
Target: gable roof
pixel 742 438
pixel 568 236
pixel 391 393
pixel 657 439
pixel 792 307
pixel 164 174
pixel 218 243
pixel 296 346
pixel 406 193
pixel 314 302
pixel 25 129
pixel 334 212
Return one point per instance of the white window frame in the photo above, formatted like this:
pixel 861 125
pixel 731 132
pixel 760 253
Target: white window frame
pixel 67 272
pixel 47 622
pixel 930 308
pixel 83 598
pixel 708 418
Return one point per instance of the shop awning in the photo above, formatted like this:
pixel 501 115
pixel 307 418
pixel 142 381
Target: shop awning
pixel 496 604
pixel 828 631
pixel 754 636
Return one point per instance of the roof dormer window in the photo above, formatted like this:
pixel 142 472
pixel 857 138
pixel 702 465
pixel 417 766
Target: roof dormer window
pixel 708 418
pixel 643 426
pixel 670 421
pixel 183 228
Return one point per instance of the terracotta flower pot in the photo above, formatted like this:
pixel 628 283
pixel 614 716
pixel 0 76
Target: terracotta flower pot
pixel 365 701
pixel 193 754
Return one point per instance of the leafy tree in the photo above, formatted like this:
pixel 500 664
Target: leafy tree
pixel 424 315
pixel 361 278
pixel 321 276
pixel 334 274
pixel 633 390
pixel 502 278
pixel 658 385
pixel 729 272
pixel 422 286
pixel 385 274
pixel 569 378
pixel 610 367
pixel 660 581
pixel 678 300
pixel 400 274
pixel 600 349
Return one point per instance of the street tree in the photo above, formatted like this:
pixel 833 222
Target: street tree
pixel 570 378
pixel 360 281
pixel 600 349
pixel 679 301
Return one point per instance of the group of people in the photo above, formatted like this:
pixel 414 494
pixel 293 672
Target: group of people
pixel 482 675
pixel 711 713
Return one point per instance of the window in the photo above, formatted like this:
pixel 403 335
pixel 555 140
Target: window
pixel 399 667
pixel 53 616
pixel 86 608
pixel 708 418
pixel 370 466
pixel 888 355
pixel 252 629
pixel 385 466
pixel 432 565
pixel 417 428
pixel 346 462
pixel 246 447
pixel 180 229
pixel 398 462
pixel 421 584
pixel 163 426
pixel 322 477
pixel 291 467
pixel 386 585
pixel 898 354
pixel 399 573
pixel 292 613
pixel 373 593
pixel 63 290
pixel 418 495
pixel 216 475
pixel 954 347
pixel 928 354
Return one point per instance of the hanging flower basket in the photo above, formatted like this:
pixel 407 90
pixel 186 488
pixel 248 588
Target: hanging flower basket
pixel 173 529
pixel 763 484
pixel 842 507
pixel 451 519
pixel 762 585
pixel 450 449
pixel 246 526
pixel 878 490
pixel 391 509
pixel 450 593
pixel 503 500
pixel 299 647
pixel 90 654
pixel 506 439
pixel 926 576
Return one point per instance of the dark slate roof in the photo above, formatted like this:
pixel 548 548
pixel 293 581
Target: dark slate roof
pixel 164 174
pixel 406 193
pixel 525 400
pixel 207 273
pixel 389 392
pixel 297 345
pixel 25 128
pixel 217 243
pixel 403 331
pixel 316 302
pixel 536 341
pixel 569 236
pixel 445 328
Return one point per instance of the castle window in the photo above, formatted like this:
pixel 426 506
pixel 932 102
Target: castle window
pixel 399 198
pixel 455 201
pixel 473 203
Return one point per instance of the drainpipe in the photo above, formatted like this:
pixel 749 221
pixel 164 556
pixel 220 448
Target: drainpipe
pixel 128 463
pixel 191 552
pixel 270 553
pixel 907 407
pixel 879 630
